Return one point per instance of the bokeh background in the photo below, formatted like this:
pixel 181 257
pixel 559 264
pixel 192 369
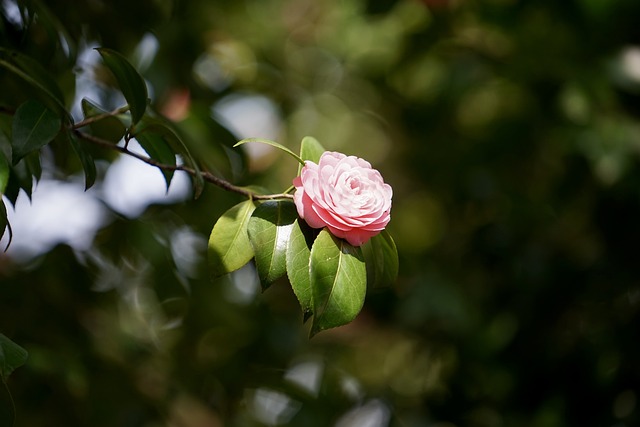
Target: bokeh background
pixel 510 132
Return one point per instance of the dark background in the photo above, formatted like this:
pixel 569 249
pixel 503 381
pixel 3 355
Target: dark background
pixel 509 131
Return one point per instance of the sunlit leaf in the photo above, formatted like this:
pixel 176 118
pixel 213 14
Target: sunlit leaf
pixel 34 126
pixel 381 258
pixel 12 356
pixel 33 73
pixel 298 255
pixel 338 282
pixel 310 149
pixel 158 149
pixel 109 128
pixel 130 81
pixel 269 230
pixel 229 245
pixel 86 160
pixel 273 144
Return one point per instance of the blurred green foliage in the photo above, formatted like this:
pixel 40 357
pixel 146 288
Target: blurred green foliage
pixel 509 131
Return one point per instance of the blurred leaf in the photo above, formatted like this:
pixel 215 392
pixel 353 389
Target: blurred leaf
pixel 88 164
pixel 4 223
pixel 109 128
pixel 229 245
pixel 164 128
pixel 158 149
pixel 4 172
pixel 12 356
pixel 273 144
pixel 338 282
pixel 298 255
pixel 381 258
pixel 34 126
pixel 269 230
pixel 130 81
pixel 32 72
pixel 310 149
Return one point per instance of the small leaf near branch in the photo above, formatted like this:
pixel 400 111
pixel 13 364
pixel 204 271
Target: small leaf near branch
pixel 158 149
pixel 338 282
pixel 269 231
pixel 273 144
pixel 12 356
pixel 163 128
pixel 88 164
pixel 131 83
pixel 229 245
pixel 109 128
pixel 34 126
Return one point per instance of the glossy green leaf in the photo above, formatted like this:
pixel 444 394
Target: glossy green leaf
pixel 229 245
pixel 12 356
pixel 310 149
pixel 158 149
pixel 381 257
pixel 33 73
pixel 269 230
pixel 86 160
pixel 273 144
pixel 130 81
pixel 298 256
pixel 109 128
pixel 338 282
pixel 34 126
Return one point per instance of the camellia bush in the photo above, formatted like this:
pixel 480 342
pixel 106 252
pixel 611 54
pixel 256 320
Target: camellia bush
pixel 326 232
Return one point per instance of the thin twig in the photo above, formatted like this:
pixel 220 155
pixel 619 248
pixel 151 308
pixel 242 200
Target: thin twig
pixel 99 117
pixel 207 176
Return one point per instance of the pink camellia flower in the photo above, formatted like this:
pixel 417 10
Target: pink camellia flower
pixel 344 194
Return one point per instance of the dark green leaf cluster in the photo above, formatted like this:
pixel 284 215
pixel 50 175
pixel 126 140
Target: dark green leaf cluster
pixel 44 119
pixel 328 275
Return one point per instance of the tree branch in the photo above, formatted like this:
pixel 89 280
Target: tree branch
pixel 207 176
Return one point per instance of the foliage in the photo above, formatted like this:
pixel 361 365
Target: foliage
pixel 508 130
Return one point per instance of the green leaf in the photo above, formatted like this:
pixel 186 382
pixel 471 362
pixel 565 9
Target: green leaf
pixel 33 73
pixel 269 230
pixel 4 223
pixel 381 257
pixel 109 128
pixel 4 172
pixel 130 81
pixel 298 256
pixel 158 149
pixel 338 282
pixel 310 149
pixel 229 245
pixel 160 126
pixel 273 144
pixel 88 164
pixel 34 126
pixel 12 356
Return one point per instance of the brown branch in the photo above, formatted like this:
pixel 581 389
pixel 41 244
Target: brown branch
pixel 207 176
